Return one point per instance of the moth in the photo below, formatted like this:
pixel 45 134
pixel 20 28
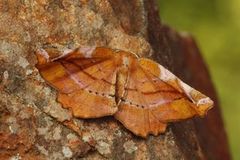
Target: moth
pixel 144 96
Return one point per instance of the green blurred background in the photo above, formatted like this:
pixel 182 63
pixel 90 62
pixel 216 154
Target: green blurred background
pixel 215 24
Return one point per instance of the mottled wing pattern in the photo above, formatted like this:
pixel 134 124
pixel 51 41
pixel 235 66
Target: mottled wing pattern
pixel 85 79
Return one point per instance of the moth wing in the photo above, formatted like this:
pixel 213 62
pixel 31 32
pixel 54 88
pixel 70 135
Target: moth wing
pixel 192 98
pixel 150 101
pixel 84 78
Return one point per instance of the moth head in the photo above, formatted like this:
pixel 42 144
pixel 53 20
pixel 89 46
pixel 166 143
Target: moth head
pixel 126 58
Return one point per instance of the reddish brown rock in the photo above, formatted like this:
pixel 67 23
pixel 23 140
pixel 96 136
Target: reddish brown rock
pixel 33 123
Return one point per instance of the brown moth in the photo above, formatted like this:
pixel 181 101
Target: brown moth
pixel 140 93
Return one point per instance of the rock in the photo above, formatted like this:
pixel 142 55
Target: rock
pixel 35 126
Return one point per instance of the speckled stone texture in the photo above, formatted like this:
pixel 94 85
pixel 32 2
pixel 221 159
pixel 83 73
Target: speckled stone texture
pixel 34 126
